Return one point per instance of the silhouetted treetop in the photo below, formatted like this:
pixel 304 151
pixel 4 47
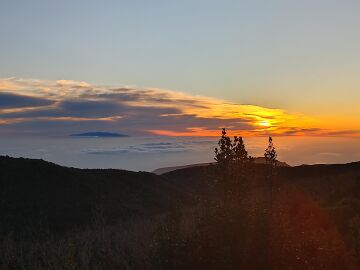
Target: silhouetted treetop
pixel 270 152
pixel 224 154
pixel 231 151
pixel 240 153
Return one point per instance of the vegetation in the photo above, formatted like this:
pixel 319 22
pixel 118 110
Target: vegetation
pixel 232 215
pixel 270 153
pixel 230 152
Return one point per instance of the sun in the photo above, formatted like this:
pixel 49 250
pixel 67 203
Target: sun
pixel 264 123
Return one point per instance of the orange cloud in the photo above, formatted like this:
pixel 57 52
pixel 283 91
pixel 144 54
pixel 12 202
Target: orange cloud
pixel 198 132
pixel 156 111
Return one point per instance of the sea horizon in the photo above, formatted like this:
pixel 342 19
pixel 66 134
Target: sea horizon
pixel 147 153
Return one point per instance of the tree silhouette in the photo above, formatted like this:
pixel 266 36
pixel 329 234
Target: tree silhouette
pixel 240 155
pixel 270 153
pixel 224 154
pixel 270 156
pixel 232 160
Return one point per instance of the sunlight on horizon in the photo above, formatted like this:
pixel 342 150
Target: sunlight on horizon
pixel 34 104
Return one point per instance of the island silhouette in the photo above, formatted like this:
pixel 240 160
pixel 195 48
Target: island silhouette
pixel 99 134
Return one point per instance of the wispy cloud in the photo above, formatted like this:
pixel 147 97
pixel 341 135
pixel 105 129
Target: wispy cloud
pixel 65 106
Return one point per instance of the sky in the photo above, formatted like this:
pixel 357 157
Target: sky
pixel 180 68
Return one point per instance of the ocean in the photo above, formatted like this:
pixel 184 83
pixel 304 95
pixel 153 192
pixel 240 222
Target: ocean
pixel 150 153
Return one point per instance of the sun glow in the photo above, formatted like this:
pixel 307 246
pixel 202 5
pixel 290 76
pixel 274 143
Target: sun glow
pixel 264 123
pixel 159 111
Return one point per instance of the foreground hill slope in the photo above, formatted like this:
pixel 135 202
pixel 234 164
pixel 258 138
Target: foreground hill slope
pixel 192 218
pixel 37 195
pixel 335 187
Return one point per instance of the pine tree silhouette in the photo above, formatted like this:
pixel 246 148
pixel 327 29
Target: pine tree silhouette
pixel 224 154
pixel 270 153
pixel 239 152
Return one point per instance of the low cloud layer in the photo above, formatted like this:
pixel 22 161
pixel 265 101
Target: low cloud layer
pixel 64 107
pixel 148 148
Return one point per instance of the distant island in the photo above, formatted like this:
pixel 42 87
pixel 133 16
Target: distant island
pixel 99 135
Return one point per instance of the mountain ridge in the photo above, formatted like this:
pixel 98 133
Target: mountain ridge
pixel 164 170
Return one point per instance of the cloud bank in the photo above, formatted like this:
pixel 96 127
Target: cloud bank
pixel 63 107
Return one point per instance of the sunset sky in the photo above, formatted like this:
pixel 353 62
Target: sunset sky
pixel 180 68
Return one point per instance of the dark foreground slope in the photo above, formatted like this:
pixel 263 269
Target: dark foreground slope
pixel 310 220
pixel 37 195
pixel 323 179
pixel 334 187
pixel 193 218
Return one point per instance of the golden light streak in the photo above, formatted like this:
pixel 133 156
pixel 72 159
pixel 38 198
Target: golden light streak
pixel 198 132
pixel 27 109
pixel 264 123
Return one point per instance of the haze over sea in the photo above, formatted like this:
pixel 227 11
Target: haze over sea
pixel 152 152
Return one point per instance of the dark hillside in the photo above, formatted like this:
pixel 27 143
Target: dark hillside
pixel 248 216
pixel 347 175
pixel 37 195
pixel 322 201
